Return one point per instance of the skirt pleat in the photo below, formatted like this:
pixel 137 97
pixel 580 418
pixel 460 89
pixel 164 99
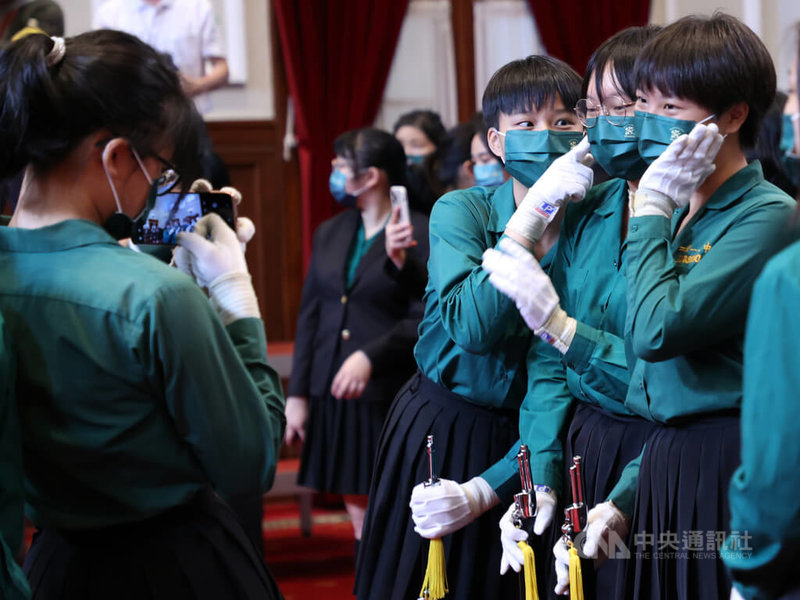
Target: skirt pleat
pixel 682 514
pixel 198 551
pixel 340 445
pixel 606 444
pixel 467 440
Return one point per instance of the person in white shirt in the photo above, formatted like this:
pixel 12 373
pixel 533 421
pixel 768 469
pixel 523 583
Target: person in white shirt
pixel 184 29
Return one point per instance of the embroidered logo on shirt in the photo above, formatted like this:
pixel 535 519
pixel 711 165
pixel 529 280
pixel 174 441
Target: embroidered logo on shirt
pixel 688 255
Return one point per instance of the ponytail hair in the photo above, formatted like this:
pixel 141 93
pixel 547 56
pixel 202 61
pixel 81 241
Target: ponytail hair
pixel 105 80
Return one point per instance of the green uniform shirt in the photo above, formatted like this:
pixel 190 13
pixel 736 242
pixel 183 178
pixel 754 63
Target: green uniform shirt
pixel 688 296
pixel 472 339
pixel 588 274
pixel 765 505
pixel 13 584
pixel 133 395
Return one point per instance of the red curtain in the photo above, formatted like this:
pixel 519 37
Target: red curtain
pixel 572 29
pixel 337 56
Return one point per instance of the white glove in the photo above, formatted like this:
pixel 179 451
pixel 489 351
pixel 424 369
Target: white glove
pixel 735 595
pixel 515 271
pixel 509 536
pixel 600 522
pixel 568 178
pixel 245 228
pixel 448 506
pixel 213 255
pixel 674 176
pixel 561 553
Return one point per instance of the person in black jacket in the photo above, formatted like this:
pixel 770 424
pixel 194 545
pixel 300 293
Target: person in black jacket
pixel 358 319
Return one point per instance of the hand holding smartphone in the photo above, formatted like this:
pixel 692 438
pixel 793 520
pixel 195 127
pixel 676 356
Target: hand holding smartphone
pixel 173 214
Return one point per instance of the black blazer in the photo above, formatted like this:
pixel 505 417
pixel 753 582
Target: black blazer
pixel 380 314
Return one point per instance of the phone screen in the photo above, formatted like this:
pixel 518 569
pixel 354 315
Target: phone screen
pixel 173 214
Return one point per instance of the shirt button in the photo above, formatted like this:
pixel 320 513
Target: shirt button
pixel 615 264
pixel 343 299
pixel 634 228
pixel 345 334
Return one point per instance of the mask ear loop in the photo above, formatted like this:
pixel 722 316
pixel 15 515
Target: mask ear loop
pixel 110 181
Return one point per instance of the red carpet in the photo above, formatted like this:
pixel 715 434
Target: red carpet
pixel 315 567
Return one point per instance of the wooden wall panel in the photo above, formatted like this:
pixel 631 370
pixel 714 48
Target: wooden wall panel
pixel 251 150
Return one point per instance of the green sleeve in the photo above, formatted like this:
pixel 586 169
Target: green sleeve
pixel 599 360
pixel 670 315
pixel 543 416
pixel 474 313
pixel 764 501
pixel 503 476
pixel 225 399
pixel 624 492
pixel 13 584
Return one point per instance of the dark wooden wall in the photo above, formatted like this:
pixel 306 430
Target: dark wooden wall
pixel 252 151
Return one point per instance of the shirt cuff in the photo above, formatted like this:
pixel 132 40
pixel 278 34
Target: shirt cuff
pixel 648 227
pixel 581 348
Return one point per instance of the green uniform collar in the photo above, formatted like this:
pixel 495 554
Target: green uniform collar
pixel 736 186
pixel 615 189
pixel 72 233
pixel 502 207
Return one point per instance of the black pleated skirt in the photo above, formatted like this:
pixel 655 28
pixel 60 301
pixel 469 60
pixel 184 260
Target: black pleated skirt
pixel 197 551
pixel 606 443
pixel 467 440
pixel 341 443
pixel 682 514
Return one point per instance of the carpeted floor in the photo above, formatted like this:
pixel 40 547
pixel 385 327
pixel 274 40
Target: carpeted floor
pixel 309 568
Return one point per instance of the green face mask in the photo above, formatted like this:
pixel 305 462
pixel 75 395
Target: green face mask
pixel 529 153
pixel 787 134
pixel 657 132
pixel 616 147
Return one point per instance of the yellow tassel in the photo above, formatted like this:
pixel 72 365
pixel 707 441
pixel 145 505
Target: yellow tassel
pixel 575 575
pixel 531 587
pixel 434 587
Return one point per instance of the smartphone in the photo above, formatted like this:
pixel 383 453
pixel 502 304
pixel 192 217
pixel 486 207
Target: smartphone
pixel 173 214
pixel 399 197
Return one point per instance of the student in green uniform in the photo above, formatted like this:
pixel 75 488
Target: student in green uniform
pixel 472 351
pixel 702 225
pixel 143 402
pixel 761 552
pixel 13 585
pixel 587 279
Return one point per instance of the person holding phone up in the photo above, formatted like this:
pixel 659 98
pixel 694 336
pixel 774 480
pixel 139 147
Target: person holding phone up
pixel 357 326
pixel 143 403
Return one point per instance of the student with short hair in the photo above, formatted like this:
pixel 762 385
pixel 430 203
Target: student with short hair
pixel 703 223
pixel 472 352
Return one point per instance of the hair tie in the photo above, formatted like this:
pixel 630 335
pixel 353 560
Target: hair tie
pixel 56 52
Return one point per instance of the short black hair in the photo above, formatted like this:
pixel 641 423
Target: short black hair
pixel 529 83
pixel 619 51
pixel 370 147
pixel 455 149
pixel 715 61
pixel 105 80
pixel 427 121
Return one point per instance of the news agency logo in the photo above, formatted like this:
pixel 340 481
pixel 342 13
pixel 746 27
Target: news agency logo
pixel 613 547
pixel 546 209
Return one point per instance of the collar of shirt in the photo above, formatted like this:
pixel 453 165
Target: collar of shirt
pixel 64 235
pixel 736 186
pixel 502 207
pixel 611 203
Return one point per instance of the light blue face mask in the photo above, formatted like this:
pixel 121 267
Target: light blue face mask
pixel 656 132
pixel 336 184
pixel 787 134
pixel 616 147
pixel 488 175
pixel 416 159
pixel 529 153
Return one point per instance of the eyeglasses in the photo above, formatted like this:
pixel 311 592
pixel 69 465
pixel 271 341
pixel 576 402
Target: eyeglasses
pixel 614 109
pixel 169 178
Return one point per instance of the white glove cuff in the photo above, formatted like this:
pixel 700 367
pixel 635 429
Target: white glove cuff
pixel 233 297
pixel 558 330
pixel 480 495
pixel 650 202
pixel 528 224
